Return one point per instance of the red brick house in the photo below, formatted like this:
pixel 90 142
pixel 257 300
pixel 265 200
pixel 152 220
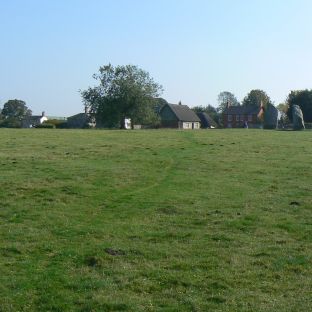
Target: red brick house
pixel 238 116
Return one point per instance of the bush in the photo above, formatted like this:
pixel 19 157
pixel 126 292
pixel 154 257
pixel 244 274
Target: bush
pixel 46 126
pixel 308 125
pixel 269 127
pixel 57 123
pixel 62 125
pixel 10 123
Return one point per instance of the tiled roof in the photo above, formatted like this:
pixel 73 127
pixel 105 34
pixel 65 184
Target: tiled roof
pixel 33 118
pixel 206 120
pixel 241 110
pixel 79 115
pixel 183 112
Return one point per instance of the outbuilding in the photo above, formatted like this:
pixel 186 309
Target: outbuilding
pixel 206 121
pixel 178 116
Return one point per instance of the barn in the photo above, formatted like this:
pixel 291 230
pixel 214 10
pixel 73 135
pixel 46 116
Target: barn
pixel 178 116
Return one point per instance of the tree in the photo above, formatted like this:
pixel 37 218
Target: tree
pixel 302 98
pixel 209 109
pixel 255 97
pixel 159 103
pixel 123 92
pixel 13 112
pixel 225 98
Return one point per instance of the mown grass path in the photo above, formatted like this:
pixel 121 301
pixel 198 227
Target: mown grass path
pixel 155 220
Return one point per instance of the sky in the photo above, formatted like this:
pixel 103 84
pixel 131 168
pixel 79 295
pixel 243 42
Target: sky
pixel 49 49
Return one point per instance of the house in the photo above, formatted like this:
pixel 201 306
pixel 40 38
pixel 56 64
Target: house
pixel 33 121
pixel 178 116
pixel 239 116
pixel 206 121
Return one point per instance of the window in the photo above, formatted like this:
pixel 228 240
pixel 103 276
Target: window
pixel 249 117
pixel 186 125
pixel 229 117
pixel 242 118
pixel 237 117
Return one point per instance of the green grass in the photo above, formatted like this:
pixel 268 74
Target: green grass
pixel 155 220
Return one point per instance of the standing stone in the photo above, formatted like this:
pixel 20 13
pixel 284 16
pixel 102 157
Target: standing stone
pixel 297 116
pixel 270 117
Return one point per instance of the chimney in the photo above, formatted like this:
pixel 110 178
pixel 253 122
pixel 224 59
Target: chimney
pixel 43 114
pixel 228 104
pixel 180 103
pixel 261 111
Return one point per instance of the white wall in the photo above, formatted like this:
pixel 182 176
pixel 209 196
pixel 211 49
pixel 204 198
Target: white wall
pixel 188 125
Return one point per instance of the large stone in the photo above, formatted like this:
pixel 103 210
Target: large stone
pixel 297 116
pixel 270 117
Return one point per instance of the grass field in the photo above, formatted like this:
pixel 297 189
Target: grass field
pixel 155 220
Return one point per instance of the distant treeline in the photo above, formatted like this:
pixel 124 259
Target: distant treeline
pixel 130 92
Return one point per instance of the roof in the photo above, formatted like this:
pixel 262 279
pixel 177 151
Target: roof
pixel 79 115
pixel 33 117
pixel 56 117
pixel 183 112
pixel 206 120
pixel 241 110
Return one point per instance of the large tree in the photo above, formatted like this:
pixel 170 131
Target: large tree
pixel 13 112
pixel 226 98
pixel 302 98
pixel 123 92
pixel 256 97
pixel 15 109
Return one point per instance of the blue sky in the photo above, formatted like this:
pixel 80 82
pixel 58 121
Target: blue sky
pixel 194 48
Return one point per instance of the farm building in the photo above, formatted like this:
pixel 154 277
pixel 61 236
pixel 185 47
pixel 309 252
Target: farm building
pixel 81 120
pixel 77 121
pixel 178 116
pixel 206 121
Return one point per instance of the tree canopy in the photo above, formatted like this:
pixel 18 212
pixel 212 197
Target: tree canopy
pixel 15 109
pixel 123 92
pixel 302 98
pixel 255 97
pixel 13 112
pixel 225 98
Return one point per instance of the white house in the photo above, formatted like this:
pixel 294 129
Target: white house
pixel 33 121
